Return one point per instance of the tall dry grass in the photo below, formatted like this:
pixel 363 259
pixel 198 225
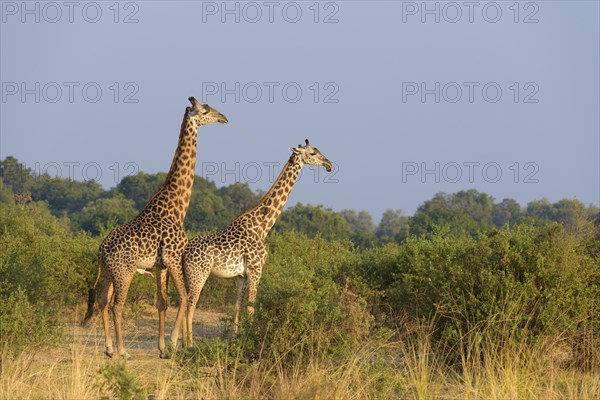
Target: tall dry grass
pixel 48 374
pixel 405 364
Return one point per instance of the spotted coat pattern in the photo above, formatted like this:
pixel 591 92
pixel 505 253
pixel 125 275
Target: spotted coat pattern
pixel 155 238
pixel 238 251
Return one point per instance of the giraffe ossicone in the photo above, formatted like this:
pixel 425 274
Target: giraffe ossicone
pixel 239 251
pixel 154 238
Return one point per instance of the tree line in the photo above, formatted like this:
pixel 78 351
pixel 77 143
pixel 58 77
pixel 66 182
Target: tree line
pixel 91 208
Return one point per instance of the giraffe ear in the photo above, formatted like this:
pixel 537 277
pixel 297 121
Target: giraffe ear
pixel 295 150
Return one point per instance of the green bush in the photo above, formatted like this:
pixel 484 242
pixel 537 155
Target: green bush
pixel 43 257
pixel 304 295
pixel 116 382
pixel 24 324
pixel 100 214
pixel 539 280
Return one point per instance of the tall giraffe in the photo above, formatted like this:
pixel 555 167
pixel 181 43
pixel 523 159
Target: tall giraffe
pixel 155 238
pixel 238 251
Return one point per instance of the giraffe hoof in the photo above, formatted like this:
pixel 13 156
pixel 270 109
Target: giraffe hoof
pixel 164 356
pixel 108 353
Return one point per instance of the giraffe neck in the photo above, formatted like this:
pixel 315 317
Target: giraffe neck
pixel 265 213
pixel 175 192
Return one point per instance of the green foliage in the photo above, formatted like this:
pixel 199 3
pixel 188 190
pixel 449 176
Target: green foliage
pixel 237 198
pixel 206 208
pixel 304 293
pixel 393 226
pixel 508 211
pixel 105 213
pixel 211 352
pixel 543 280
pixel 211 208
pixel 15 176
pixel 116 382
pixel 64 196
pixel 314 221
pixel 325 283
pixel 6 195
pixel 362 228
pixel 565 211
pixel 140 187
pixel 471 212
pixel 41 255
pixel 25 323
pixel 465 213
pixel 143 291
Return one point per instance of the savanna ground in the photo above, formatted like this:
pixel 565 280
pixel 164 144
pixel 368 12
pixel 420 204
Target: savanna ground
pixel 76 368
pixel 405 367
pixel 508 313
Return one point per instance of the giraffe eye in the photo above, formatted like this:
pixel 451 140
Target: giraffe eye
pixel 313 154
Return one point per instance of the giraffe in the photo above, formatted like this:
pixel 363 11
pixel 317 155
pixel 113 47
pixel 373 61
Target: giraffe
pixel 238 251
pixel 155 238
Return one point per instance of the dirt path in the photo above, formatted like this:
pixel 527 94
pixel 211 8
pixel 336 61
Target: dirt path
pixel 72 368
pixel 141 330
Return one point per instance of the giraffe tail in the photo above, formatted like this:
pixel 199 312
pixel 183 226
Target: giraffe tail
pixel 91 300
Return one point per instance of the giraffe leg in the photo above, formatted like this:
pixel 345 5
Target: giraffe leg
pixel 242 284
pixel 161 305
pixel 194 289
pixel 254 272
pixel 120 295
pixel 171 259
pixel 104 295
pixel 252 289
pixel 179 281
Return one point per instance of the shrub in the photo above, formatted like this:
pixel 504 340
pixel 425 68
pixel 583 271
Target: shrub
pixel 116 382
pixel 538 280
pixel 41 255
pixel 24 324
pixel 303 295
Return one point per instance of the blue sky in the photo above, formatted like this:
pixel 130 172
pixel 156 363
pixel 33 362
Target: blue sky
pixel 407 98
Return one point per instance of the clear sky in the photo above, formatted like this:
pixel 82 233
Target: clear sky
pixel 406 98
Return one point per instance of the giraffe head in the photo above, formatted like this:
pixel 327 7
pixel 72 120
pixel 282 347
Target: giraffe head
pixel 311 155
pixel 203 114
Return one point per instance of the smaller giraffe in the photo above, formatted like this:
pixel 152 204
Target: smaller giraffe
pixel 238 251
